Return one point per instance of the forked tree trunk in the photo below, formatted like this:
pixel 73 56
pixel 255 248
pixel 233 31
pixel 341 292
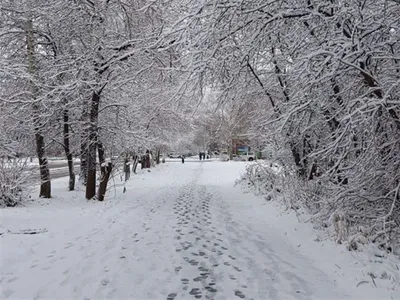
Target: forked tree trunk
pixel 68 154
pixel 45 184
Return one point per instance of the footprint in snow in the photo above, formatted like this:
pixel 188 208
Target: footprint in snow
pixel 203 269
pixel 195 291
pixel 210 289
pixel 200 278
pixel 105 282
pixel 193 262
pixel 239 294
pixel 171 296
pixel 237 269
pixel 69 245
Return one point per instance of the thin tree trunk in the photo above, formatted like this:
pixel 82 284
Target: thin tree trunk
pixel 127 167
pixel 45 184
pixel 68 154
pixel 84 145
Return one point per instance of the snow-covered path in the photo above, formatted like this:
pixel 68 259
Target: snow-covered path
pixel 180 232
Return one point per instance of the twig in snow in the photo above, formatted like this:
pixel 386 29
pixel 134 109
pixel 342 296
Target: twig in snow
pixel 373 280
pixel 28 231
pixel 362 282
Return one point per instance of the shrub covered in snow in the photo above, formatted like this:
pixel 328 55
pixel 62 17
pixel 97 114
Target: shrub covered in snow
pixel 354 214
pixel 262 179
pixel 13 175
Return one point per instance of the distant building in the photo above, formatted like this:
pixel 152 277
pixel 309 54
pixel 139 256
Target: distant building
pixel 240 146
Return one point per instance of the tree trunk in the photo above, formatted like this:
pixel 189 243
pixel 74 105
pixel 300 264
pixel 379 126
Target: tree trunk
pixel 158 157
pixel 68 153
pixel 135 163
pixel 91 158
pixel 105 169
pixel 146 160
pixel 84 145
pixel 127 168
pixel 104 181
pixel 45 184
pixel 301 171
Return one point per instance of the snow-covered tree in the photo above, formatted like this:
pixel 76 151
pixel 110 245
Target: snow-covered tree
pixel 324 80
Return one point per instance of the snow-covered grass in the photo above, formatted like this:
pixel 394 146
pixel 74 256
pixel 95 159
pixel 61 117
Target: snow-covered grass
pixel 179 230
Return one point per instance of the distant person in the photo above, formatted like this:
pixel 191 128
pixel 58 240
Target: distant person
pixel 183 158
pixel 200 156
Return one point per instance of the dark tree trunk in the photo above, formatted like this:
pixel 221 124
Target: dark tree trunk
pixel 146 160
pixel 158 157
pixel 83 164
pixel 301 170
pixel 91 157
pixel 84 148
pixel 45 184
pixel 104 181
pixel 105 170
pixel 68 153
pixel 135 163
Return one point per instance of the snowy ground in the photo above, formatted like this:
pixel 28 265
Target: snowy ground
pixel 181 231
